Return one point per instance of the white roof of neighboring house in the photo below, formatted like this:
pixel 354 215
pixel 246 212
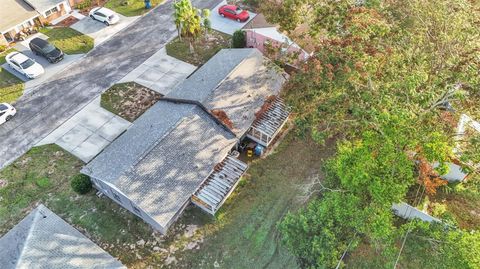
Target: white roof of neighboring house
pixel 44 240
pixel 43 5
pixel 13 13
pixel 407 211
pixel 454 174
pixel 273 33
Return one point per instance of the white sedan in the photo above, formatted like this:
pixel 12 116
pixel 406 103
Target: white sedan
pixel 6 112
pixel 24 65
pixel 104 15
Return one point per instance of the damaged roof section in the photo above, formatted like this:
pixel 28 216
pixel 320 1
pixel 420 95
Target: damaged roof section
pixel 160 161
pixel 235 81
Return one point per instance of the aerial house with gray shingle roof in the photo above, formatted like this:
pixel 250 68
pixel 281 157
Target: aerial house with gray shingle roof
pixel 178 151
pixel 44 240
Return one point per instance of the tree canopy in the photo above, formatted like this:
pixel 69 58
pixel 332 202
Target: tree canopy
pixel 383 79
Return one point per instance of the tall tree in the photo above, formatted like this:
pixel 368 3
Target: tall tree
pixel 381 78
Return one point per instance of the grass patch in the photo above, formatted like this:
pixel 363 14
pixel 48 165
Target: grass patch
pixel 463 206
pixel 32 178
pixel 204 48
pixel 129 100
pixel 11 87
pixel 4 53
pixel 130 8
pixel 68 39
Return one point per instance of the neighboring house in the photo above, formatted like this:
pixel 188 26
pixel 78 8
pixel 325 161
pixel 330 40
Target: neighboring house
pixel 43 240
pixel 261 34
pixel 178 151
pixel 270 37
pixel 407 211
pixel 466 126
pixel 16 15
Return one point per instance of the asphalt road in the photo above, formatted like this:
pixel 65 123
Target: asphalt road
pixel 52 103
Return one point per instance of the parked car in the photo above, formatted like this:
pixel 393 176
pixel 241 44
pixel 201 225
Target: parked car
pixel 104 15
pixel 234 12
pixel 45 49
pixel 24 65
pixel 6 112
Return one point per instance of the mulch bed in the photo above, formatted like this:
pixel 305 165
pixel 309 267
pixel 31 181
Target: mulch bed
pixel 67 22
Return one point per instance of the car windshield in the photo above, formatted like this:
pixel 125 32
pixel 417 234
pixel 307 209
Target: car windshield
pixel 111 17
pixel 238 10
pixel 27 63
pixel 3 107
pixel 49 48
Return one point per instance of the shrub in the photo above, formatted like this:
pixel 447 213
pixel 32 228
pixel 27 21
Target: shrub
pixel 239 39
pixel 83 5
pixel 81 184
pixel 3 48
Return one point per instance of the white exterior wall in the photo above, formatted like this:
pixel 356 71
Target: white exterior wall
pixel 108 189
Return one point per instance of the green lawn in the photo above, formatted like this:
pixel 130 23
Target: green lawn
pixel 11 87
pixel 133 8
pixel 204 49
pixel 129 100
pixel 68 39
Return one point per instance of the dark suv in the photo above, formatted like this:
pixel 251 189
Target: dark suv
pixel 47 50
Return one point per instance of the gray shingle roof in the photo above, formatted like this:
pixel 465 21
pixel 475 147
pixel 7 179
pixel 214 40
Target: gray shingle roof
pixel 162 159
pixel 43 5
pixel 236 81
pixel 43 240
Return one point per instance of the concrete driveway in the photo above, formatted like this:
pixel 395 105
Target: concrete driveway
pixel 88 132
pixel 224 25
pixel 98 30
pixel 160 72
pixel 50 69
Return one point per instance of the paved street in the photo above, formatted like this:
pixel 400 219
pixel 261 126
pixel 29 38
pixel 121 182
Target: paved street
pixel 45 108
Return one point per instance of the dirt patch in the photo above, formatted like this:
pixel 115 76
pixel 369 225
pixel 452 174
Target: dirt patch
pixel 204 47
pixel 67 22
pixel 129 100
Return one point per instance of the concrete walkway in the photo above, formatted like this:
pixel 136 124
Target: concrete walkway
pixel 160 72
pixel 88 132
pixel 98 30
pixel 225 25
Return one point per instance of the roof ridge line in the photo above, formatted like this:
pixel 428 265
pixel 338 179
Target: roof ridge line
pixel 205 109
pixel 37 209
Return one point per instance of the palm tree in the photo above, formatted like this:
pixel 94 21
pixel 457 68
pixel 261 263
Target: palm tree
pixel 189 20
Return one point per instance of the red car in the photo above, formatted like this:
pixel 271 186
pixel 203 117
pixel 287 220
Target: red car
pixel 233 12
